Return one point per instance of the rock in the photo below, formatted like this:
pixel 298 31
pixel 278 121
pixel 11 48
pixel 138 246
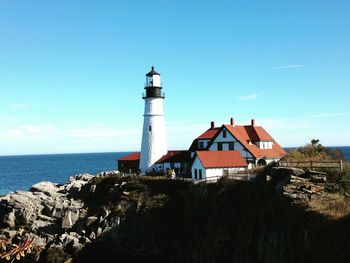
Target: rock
pixel 92 235
pixel 75 186
pixel 85 177
pixel 8 233
pixel 90 220
pixel 309 173
pixel 109 173
pixel 99 231
pixel 47 188
pixel 92 188
pixel 283 171
pixel 10 220
pixel 318 178
pixel 104 214
pixel 70 217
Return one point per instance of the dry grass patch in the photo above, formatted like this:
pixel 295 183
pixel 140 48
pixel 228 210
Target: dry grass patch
pixel 332 206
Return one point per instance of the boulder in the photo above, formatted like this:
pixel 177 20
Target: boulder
pixel 10 220
pixel 84 177
pixel 284 171
pixel 47 188
pixel 70 217
pixel 318 178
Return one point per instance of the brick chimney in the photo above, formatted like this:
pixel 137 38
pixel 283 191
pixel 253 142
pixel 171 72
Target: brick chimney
pixel 212 125
pixel 253 122
pixel 232 122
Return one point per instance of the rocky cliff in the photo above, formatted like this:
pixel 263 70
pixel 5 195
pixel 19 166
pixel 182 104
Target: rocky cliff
pixel 285 215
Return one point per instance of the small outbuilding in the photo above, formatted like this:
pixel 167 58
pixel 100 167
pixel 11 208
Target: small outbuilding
pixel 129 163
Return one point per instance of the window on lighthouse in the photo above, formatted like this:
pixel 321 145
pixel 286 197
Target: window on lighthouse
pixel 150 128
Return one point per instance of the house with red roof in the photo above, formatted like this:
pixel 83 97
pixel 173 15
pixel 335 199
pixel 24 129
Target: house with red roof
pixel 179 161
pixel 217 151
pixel 129 163
pixel 253 143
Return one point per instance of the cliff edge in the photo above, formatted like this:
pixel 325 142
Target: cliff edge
pixel 285 215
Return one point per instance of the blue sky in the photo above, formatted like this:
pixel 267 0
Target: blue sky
pixel 72 72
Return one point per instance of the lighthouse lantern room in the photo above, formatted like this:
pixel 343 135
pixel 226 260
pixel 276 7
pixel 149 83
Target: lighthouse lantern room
pixel 153 145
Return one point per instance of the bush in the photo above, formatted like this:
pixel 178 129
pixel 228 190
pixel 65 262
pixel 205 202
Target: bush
pixel 314 151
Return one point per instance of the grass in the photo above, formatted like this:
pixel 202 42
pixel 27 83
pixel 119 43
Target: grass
pixel 333 206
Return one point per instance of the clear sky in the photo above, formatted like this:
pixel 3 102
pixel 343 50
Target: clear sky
pixel 72 72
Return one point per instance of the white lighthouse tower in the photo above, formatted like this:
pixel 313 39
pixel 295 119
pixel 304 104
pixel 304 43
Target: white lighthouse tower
pixel 153 145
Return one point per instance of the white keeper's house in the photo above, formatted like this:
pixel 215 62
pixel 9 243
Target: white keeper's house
pixel 232 148
pixel 217 151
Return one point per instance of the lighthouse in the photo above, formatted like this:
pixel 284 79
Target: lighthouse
pixel 153 145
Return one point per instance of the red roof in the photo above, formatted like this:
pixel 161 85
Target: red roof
pixel 131 157
pixel 247 133
pixel 175 157
pixel 215 159
pixel 208 134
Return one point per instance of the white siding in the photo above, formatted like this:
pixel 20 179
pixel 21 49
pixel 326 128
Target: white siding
pixel 229 138
pixel 197 165
pixel 214 172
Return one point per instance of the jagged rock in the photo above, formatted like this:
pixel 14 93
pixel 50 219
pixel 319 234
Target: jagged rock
pixel 75 183
pixel 10 220
pixel 109 173
pixel 309 173
pixel 318 178
pixel 92 188
pixel 92 235
pixel 70 217
pixel 84 177
pixel 90 220
pixel 47 188
pixel 283 171
pixel 8 233
pixel 99 231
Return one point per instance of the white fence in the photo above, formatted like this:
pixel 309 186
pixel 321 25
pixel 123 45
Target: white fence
pixel 235 176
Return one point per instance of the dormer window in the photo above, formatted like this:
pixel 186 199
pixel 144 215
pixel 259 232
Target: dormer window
pixel 200 145
pixel 224 133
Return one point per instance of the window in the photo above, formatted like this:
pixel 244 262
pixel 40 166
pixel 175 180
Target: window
pixel 219 146
pixel 200 145
pixel 231 146
pixel 200 174
pixel 195 174
pixel 150 128
pixel 224 133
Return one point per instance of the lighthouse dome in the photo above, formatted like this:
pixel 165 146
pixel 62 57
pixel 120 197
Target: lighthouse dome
pixel 152 73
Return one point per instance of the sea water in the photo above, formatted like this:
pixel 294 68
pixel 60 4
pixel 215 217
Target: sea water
pixel 21 172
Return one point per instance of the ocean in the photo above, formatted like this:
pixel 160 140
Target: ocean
pixel 21 172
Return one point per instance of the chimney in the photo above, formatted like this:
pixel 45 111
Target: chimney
pixel 212 125
pixel 253 122
pixel 232 122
